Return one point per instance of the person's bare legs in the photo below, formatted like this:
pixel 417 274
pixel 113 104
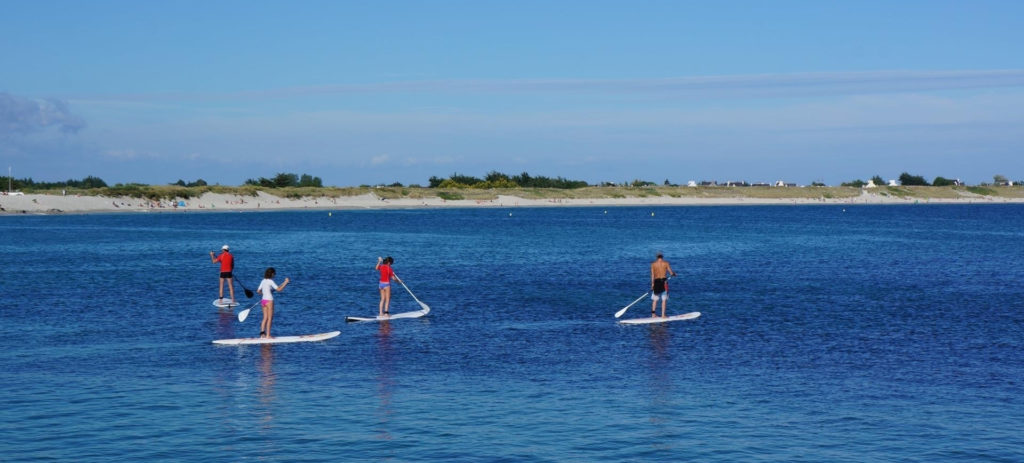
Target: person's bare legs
pixel 268 319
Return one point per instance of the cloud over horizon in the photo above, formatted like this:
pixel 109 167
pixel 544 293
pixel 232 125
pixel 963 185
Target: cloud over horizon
pixel 19 116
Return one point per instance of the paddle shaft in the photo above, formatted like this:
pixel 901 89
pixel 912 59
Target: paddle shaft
pixel 631 304
pixel 248 293
pixel 410 292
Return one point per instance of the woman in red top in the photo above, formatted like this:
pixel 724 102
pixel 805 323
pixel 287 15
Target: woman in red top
pixel 386 274
pixel 227 266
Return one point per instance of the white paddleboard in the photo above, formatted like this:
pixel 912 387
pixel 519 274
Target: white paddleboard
pixel 278 339
pixel 224 303
pixel 415 314
pixel 674 318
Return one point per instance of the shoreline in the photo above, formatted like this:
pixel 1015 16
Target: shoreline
pixel 222 202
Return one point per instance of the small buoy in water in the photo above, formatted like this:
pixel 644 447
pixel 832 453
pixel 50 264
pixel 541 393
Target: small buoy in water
pixel 844 210
pixel 652 214
pixel 605 212
pixel 510 214
pixel 328 214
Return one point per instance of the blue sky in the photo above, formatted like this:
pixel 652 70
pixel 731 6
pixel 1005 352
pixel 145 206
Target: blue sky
pixel 378 92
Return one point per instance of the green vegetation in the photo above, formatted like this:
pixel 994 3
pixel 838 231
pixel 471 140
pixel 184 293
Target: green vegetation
pixel 495 179
pixel 912 180
pixel 495 184
pixel 284 180
pixel 27 184
pixel 449 196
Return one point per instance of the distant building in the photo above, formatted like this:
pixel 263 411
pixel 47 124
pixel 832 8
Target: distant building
pixel 760 184
pixel 691 184
pixel 893 183
pixel 708 183
pixel 871 184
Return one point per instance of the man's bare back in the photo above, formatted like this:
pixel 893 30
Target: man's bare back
pixel 660 269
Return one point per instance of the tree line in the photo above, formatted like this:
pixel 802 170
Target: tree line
pixel 284 180
pixel 29 184
pixel 495 179
pixel 907 179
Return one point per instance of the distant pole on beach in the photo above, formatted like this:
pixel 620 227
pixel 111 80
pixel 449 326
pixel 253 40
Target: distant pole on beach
pixel 9 180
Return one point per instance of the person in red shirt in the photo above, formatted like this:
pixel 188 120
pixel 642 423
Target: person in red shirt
pixel 386 274
pixel 227 266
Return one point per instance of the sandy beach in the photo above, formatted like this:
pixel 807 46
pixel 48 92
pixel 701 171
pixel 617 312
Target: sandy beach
pixel 72 204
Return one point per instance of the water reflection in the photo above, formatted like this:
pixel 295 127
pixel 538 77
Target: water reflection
pixel 662 392
pixel 385 379
pixel 225 324
pixel 267 378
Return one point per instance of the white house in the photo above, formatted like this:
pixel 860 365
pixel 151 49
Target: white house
pixel 691 184
pixel 893 183
pixel 871 184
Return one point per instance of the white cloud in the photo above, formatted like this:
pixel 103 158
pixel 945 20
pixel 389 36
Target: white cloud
pixel 23 115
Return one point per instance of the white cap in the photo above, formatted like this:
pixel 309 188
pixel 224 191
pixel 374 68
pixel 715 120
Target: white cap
pixel 225 247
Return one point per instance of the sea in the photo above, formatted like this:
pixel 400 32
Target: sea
pixel 828 333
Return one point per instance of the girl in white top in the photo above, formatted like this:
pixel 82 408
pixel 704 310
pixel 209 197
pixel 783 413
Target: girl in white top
pixel 267 286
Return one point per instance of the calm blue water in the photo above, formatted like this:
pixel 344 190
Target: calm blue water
pixel 890 333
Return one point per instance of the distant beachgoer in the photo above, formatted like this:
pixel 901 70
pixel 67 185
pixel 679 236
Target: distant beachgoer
pixel 384 285
pixel 660 269
pixel 267 286
pixel 227 267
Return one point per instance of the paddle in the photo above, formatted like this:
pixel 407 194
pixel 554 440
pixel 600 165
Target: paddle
pixel 245 313
pixel 422 305
pixel 248 293
pixel 624 309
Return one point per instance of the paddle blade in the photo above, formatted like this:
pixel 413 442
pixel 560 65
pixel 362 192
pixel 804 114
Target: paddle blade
pixel 621 311
pixel 248 294
pixel 243 315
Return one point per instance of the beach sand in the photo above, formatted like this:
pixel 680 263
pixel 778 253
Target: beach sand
pixel 61 204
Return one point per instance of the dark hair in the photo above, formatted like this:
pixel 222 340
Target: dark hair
pixel 269 273
pixel 659 256
pixel 389 260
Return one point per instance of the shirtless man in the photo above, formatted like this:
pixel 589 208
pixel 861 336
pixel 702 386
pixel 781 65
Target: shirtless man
pixel 660 269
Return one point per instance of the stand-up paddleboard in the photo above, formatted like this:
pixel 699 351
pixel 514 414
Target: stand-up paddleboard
pixel 414 314
pixel 674 318
pixel 278 339
pixel 224 303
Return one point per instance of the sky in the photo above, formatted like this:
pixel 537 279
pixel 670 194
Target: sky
pixel 358 92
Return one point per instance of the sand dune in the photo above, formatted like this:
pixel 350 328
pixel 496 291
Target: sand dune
pixel 56 204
